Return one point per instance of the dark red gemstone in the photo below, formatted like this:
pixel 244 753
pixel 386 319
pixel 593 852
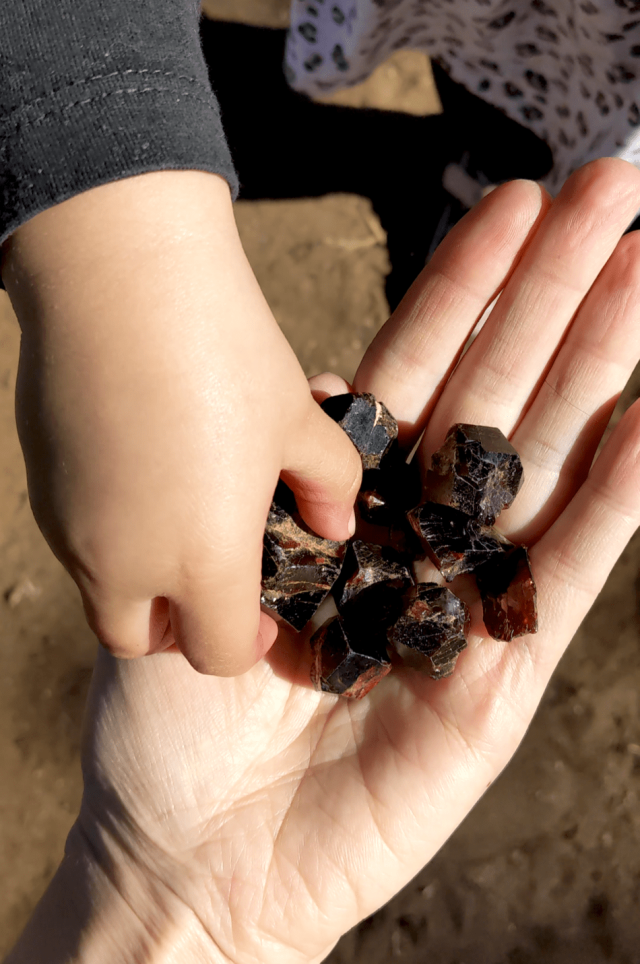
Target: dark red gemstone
pixel 477 471
pixel 368 423
pixel 299 568
pixel 347 660
pixel 388 492
pixel 454 542
pixel 509 599
pixel 433 624
pixel 373 580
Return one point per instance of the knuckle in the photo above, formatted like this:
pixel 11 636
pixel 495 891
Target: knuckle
pixel 608 183
pixel 117 649
pixel 116 641
pixel 211 661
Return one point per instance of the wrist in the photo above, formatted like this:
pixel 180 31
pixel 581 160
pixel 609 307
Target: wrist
pixel 118 287
pixel 140 234
pixel 102 910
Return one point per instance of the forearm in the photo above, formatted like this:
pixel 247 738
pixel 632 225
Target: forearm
pixel 144 233
pixel 94 914
pixel 91 94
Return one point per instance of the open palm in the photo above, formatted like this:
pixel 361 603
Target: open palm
pixel 272 817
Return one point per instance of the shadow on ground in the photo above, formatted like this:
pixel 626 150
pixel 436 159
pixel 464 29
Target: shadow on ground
pixel 286 146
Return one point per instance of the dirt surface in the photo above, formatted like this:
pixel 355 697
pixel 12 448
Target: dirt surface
pixel 546 867
pixel 404 82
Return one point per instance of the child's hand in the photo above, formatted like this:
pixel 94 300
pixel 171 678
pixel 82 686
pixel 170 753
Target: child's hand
pixel 157 404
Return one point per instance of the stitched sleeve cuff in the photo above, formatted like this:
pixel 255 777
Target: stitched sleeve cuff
pixel 90 133
pixel 95 92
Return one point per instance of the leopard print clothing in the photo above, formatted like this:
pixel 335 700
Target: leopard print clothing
pixel 567 69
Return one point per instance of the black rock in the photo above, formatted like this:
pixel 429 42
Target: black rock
pixel 473 477
pixel 509 599
pixel 454 542
pixel 431 618
pixel 346 660
pixel 374 507
pixel 372 584
pixel 299 568
pixel 387 493
pixel 368 423
pixel 477 471
pixel 432 630
pixel 443 662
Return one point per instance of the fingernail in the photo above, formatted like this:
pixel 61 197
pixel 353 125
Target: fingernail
pixel 352 522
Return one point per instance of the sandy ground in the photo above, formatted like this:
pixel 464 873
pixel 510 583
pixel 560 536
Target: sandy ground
pixel 547 866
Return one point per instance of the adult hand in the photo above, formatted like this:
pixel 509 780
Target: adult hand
pixel 255 820
pixel 157 404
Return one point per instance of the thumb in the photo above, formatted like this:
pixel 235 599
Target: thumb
pixel 322 467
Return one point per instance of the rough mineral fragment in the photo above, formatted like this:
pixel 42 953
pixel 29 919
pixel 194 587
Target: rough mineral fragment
pixel 508 595
pixel 404 540
pixel 443 662
pixel 347 660
pixel 368 423
pixel 387 493
pixel 473 477
pixel 373 506
pixel 434 624
pixel 431 617
pixel 298 568
pixel 454 542
pixel 369 592
pixel 477 471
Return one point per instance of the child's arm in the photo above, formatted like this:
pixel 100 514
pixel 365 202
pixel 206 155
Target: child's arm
pixel 158 402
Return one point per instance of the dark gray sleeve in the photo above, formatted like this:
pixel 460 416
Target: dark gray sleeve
pixel 92 92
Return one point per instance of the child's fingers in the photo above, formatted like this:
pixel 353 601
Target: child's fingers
pixel 204 640
pixel 573 559
pixel 327 384
pixel 560 432
pixel 124 626
pixel 215 609
pixel 215 615
pixel 496 379
pixel 197 569
pixel 201 549
pixel 412 356
pixel 208 618
pixel 324 471
pixel 323 468
pixel 128 628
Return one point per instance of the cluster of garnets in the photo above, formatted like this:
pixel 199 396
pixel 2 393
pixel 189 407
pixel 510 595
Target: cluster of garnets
pixel 449 519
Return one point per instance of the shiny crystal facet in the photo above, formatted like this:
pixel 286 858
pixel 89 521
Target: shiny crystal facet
pixel 347 661
pixel 372 583
pixel 368 423
pixel 454 542
pixel 508 593
pixel 299 568
pixel 434 624
pixel 477 471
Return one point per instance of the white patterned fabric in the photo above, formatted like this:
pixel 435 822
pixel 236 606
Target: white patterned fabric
pixel 567 69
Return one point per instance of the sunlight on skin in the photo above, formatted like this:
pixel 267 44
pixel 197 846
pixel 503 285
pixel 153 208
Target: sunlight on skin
pixel 149 472
pixel 278 816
